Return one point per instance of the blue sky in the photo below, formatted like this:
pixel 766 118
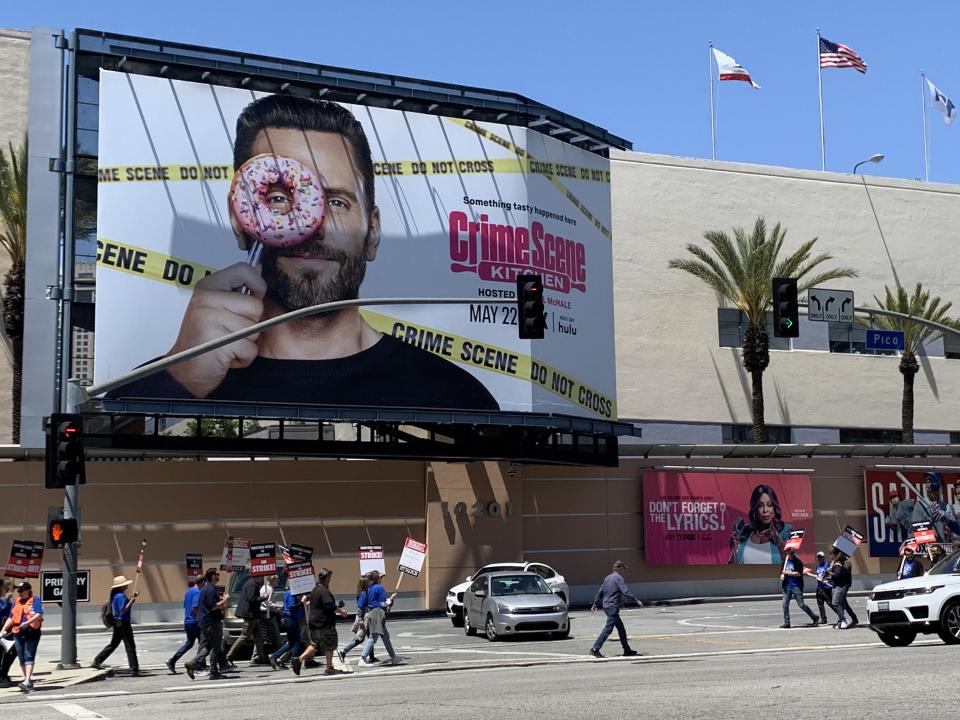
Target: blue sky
pixel 638 69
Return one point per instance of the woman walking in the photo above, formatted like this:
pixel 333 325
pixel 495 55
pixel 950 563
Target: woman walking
pixel 376 621
pixel 359 628
pixel 290 623
pixel 120 606
pixel 25 621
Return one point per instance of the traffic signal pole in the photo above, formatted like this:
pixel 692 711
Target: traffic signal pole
pixel 71 510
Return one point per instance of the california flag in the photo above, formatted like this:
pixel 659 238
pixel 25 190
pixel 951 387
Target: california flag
pixel 730 69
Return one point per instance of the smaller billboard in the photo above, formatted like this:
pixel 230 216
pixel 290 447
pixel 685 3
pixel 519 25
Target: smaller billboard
pixel 896 499
pixel 702 518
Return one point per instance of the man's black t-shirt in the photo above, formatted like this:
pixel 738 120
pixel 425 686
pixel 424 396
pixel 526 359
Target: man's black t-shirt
pixel 207 612
pixel 391 373
pixel 323 608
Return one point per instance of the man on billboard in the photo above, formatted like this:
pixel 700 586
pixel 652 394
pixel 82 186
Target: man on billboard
pixel 316 243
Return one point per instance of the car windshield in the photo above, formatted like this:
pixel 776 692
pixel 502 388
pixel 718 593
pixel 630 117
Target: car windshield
pixel 240 577
pixel 495 568
pixel 518 585
pixel 950 565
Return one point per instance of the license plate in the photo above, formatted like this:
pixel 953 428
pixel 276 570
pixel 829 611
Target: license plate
pixel 883 605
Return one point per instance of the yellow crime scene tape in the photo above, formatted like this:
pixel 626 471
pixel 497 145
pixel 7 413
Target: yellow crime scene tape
pixel 381 168
pixel 549 170
pixel 182 273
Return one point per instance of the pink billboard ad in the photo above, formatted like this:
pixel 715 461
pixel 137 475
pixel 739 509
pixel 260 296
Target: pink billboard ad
pixel 705 518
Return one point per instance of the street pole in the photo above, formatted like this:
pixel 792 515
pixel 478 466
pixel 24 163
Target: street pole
pixel 70 394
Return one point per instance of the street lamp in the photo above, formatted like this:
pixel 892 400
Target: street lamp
pixel 873 158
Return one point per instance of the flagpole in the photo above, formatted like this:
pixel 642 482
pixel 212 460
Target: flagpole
pixel 923 114
pixel 713 120
pixel 823 156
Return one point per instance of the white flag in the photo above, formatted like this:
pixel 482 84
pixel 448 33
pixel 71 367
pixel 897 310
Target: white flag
pixel 730 69
pixel 942 103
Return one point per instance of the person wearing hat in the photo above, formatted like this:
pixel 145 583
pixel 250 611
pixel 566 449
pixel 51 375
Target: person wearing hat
pixel 898 516
pixel 821 572
pixel 321 624
pixel 25 622
pixel 610 597
pixel 120 606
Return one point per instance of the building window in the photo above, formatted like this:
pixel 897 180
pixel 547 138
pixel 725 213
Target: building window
pixel 732 326
pixel 743 434
pixel 951 346
pixel 955 438
pixel 847 338
pixel 870 436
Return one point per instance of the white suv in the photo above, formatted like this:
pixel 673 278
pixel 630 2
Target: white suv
pixel 898 610
pixel 551 577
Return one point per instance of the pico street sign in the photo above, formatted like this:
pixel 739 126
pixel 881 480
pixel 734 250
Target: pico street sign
pixel 885 340
pixel 830 305
pixel 51 586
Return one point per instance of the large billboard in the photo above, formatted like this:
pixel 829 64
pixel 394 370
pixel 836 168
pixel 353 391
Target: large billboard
pixel 219 206
pixel 707 518
pixel 895 500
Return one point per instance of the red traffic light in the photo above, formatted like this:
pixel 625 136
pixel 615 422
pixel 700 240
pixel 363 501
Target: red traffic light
pixel 69 430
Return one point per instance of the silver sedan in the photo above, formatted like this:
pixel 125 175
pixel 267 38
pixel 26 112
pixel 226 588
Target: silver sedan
pixel 513 603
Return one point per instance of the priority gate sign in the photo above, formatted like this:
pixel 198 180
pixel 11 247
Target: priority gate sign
pixel 51 586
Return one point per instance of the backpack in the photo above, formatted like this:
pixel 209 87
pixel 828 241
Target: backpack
pixel 106 615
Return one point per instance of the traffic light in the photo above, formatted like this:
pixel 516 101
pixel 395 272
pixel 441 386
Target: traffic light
pixel 530 308
pixel 61 531
pixel 64 456
pixel 786 311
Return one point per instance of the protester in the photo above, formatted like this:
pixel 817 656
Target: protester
pixel 911 566
pixel 841 575
pixel 292 617
pixel 610 597
pixel 791 580
pixel 936 554
pixel 824 589
pixel 191 601
pixel 25 621
pixel 8 654
pixel 322 624
pixel 210 622
pixel 271 609
pixel 378 605
pixel 359 628
pixel 120 606
pixel 249 609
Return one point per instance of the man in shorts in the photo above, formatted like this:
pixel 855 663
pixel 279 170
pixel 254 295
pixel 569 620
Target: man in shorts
pixel 321 624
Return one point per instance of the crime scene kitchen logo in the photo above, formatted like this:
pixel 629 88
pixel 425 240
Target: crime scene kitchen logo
pixel 499 253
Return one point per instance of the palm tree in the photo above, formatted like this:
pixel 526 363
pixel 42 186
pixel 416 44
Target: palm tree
pixel 741 271
pixel 13 238
pixel 919 305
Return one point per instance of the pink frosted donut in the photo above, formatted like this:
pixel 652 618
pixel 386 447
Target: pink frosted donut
pixel 257 200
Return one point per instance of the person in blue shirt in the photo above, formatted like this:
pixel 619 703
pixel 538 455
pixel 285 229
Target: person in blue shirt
pixel 25 622
pixel 191 601
pixel 359 628
pixel 210 622
pixel 292 618
pixel 791 580
pixel 376 622
pixel 610 597
pixel 6 656
pixel 120 606
pixel 824 586
pixel 911 566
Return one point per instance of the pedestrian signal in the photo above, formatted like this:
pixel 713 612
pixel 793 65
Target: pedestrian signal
pixel 62 531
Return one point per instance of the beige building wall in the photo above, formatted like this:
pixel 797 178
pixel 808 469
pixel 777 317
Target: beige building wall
pixel 669 364
pixel 14 86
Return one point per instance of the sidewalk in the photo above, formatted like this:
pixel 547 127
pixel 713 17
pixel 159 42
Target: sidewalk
pixel 47 678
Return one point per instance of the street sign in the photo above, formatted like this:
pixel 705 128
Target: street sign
pixel 830 305
pixel 885 340
pixel 51 586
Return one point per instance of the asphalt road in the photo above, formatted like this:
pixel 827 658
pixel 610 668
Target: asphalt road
pixel 710 660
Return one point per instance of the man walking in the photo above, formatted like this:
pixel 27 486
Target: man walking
pixel 610 597
pixel 824 586
pixel 120 606
pixel 321 624
pixel 248 608
pixel 791 580
pixel 191 602
pixel 210 622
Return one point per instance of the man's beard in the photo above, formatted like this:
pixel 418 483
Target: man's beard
pixel 294 292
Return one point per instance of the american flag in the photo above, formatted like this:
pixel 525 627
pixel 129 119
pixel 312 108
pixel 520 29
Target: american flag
pixel 835 55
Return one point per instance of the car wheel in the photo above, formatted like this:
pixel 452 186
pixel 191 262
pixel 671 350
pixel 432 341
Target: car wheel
pixel 457 618
pixel 949 630
pixel 897 638
pixel 491 629
pixel 468 629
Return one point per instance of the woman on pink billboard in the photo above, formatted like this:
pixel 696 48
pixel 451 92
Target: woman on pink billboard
pixel 760 541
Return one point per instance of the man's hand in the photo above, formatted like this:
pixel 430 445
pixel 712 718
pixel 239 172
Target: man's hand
pixel 593 608
pixel 217 309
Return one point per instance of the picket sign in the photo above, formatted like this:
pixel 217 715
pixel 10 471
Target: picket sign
pixel 411 559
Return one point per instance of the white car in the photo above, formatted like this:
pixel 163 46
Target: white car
pixel 898 611
pixel 551 577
